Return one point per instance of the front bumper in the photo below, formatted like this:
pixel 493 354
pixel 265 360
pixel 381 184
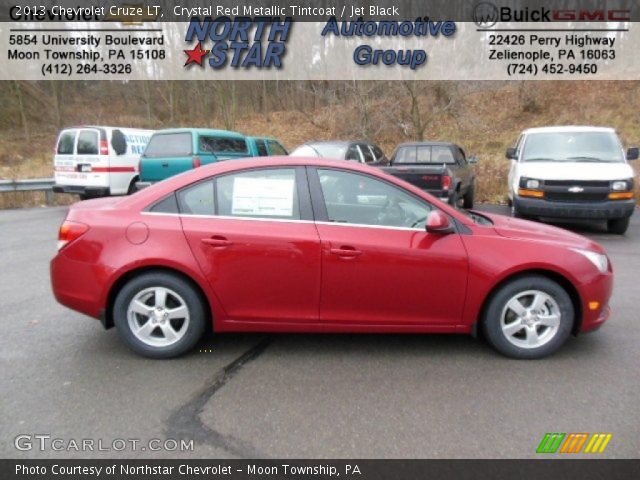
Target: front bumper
pixel 538 207
pixel 598 290
pixel 82 190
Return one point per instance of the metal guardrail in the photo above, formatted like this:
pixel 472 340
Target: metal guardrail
pixel 30 185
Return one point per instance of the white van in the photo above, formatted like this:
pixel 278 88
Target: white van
pixel 94 161
pixel 572 173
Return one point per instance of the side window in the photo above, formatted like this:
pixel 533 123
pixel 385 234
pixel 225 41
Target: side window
pixel 220 144
pixel 362 200
pixel 67 142
pixel 167 205
pixel 262 148
pixel 264 193
pixel 379 154
pixel 276 149
pixel 353 154
pixel 441 154
pixel 366 154
pixel 460 156
pixel 197 199
pixel 88 142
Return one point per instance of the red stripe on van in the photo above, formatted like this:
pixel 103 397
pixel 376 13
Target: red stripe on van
pixel 113 169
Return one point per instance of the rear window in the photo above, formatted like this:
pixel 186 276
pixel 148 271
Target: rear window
pixel 221 144
pixel 422 154
pixel 88 143
pixel 169 145
pixel 66 142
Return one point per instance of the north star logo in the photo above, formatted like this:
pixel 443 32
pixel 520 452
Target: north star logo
pixel 196 55
pixel 240 43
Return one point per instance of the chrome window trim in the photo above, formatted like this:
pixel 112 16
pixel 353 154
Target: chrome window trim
pixel 282 220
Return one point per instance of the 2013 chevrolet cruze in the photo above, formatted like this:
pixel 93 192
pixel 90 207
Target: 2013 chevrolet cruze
pixel 313 245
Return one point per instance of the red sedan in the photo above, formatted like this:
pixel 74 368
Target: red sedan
pixel 312 245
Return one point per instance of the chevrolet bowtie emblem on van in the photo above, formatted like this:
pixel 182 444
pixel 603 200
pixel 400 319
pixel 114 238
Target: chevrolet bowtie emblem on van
pixel 576 190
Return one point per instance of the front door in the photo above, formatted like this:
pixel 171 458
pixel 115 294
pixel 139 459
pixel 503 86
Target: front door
pixel 379 265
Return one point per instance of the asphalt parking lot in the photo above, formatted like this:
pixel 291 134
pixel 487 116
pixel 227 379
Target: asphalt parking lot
pixel 298 396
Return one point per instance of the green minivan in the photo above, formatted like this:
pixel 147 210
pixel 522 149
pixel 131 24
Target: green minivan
pixel 176 150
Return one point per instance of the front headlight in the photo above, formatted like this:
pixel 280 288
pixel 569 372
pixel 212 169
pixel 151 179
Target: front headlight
pixel 533 184
pixel 621 185
pixel 598 259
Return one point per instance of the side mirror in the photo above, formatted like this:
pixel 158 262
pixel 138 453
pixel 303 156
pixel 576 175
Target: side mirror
pixel 633 153
pixel 438 222
pixel 472 160
pixel 512 154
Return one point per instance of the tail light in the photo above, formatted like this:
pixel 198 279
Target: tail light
pixel 446 182
pixel 70 231
pixel 104 147
pixel 197 162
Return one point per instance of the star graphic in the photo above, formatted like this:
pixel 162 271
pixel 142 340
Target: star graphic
pixel 195 55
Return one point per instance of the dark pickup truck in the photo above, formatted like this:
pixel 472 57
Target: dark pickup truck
pixel 440 168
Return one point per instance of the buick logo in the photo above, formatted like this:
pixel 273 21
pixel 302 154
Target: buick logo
pixel 485 14
pixel 576 189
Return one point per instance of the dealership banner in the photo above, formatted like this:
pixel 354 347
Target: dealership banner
pixel 327 40
pixel 316 469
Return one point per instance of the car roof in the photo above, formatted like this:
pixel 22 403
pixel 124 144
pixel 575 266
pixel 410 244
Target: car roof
pixel 336 142
pixel 108 127
pixel 425 143
pixel 568 128
pixel 205 131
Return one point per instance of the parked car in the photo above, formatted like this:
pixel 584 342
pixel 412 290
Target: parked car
pixel 572 173
pixel 174 151
pixel 287 244
pixel 97 161
pixel 440 168
pixel 360 151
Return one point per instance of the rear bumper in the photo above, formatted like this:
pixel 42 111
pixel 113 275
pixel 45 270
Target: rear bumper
pixel 82 190
pixel 580 210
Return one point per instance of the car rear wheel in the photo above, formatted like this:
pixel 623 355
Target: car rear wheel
pixel 530 317
pixel 618 226
pixel 159 315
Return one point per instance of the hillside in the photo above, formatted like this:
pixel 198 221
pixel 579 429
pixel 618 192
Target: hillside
pixel 483 117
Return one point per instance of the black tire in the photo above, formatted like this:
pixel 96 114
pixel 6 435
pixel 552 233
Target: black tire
pixel 492 320
pixel 618 226
pixel 467 200
pixel 132 186
pixel 453 199
pixel 185 291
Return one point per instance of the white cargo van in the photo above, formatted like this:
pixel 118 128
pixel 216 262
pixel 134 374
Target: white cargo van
pixel 94 161
pixel 572 173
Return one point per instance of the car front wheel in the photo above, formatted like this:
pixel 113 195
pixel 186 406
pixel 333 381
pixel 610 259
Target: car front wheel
pixel 159 315
pixel 530 317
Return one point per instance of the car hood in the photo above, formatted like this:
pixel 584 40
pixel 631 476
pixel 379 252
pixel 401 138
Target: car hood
pixel 575 170
pixel 526 230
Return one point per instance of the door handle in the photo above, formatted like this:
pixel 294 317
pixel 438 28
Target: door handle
pixel 346 252
pixel 217 241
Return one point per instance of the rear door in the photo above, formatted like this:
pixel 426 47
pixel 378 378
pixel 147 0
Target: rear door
pixel 167 154
pixel 253 236
pixel 82 158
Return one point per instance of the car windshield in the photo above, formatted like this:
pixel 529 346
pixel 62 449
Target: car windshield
pixel 572 147
pixel 327 150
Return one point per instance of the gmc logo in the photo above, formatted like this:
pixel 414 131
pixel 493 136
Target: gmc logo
pixel 592 15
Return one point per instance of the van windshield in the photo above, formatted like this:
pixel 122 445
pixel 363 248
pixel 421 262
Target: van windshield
pixel 572 147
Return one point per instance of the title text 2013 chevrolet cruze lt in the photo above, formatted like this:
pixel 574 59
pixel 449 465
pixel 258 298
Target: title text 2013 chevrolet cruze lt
pixel 314 245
